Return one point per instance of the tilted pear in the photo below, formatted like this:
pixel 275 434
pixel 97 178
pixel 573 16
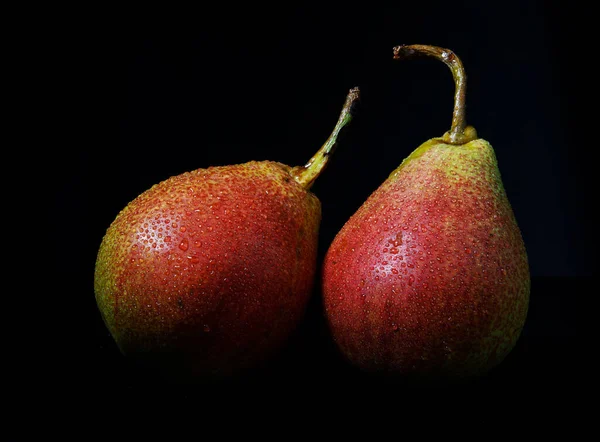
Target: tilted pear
pixel 430 276
pixel 208 272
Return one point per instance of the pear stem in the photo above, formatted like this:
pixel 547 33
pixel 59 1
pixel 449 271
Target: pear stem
pixel 459 132
pixel 307 174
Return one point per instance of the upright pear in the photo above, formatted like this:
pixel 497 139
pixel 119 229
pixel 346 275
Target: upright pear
pixel 208 272
pixel 430 276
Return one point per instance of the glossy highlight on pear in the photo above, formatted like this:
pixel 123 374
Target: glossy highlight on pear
pixel 430 278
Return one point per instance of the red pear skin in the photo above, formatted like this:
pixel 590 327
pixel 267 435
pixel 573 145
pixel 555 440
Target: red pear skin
pixel 211 268
pixel 430 275
pixel 207 273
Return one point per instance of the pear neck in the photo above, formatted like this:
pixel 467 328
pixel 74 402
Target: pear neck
pixel 467 135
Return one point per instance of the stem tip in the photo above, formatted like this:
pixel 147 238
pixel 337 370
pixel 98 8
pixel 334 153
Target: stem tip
pixel 307 174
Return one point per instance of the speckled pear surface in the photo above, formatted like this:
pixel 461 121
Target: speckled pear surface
pixel 430 275
pixel 210 269
pixel 207 273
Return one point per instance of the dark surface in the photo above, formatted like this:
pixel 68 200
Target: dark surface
pixel 159 97
pixel 546 357
pixel 538 387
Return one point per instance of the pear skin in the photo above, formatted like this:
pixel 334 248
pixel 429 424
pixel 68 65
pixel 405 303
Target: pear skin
pixel 209 264
pixel 207 273
pixel 430 275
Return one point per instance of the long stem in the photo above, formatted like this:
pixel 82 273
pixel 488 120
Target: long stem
pixel 459 132
pixel 307 174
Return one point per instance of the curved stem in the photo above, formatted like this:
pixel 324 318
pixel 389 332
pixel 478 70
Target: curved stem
pixel 307 174
pixel 459 132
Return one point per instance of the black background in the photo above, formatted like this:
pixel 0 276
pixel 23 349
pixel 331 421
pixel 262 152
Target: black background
pixel 157 95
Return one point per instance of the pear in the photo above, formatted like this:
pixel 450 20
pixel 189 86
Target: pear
pixel 207 273
pixel 429 278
